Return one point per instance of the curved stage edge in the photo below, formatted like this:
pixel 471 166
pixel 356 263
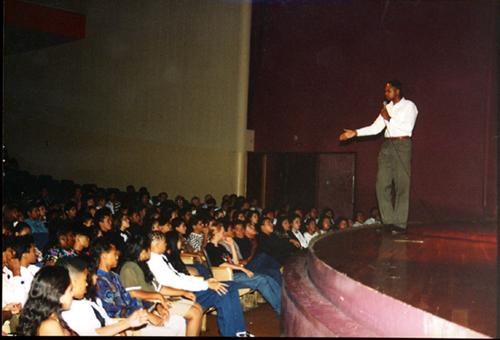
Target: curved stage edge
pixel 367 282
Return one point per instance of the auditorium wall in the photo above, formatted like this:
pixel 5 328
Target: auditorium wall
pixel 155 95
pixel 319 67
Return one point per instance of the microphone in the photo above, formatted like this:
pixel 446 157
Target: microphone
pixel 385 104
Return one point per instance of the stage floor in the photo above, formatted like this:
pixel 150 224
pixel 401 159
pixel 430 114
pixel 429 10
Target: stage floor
pixel 448 270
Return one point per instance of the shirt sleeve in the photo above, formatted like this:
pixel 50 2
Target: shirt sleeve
pixel 169 277
pixel 377 126
pixel 403 118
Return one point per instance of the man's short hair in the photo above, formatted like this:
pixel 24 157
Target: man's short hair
pixel 156 236
pixel 396 84
pixel 74 265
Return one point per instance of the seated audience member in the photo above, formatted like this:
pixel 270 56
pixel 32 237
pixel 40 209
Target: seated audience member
pixel 313 213
pixel 82 241
pixel 47 199
pixel 341 222
pixel 62 245
pixel 103 221
pixel 269 213
pixel 278 248
pixel 229 232
pixel 135 221
pixel 374 217
pixel 85 218
pixel 282 230
pixel 325 224
pixel 11 214
pixel 256 262
pixel 38 229
pixel 22 229
pixel 113 204
pixel 360 219
pixel 350 222
pixel 83 317
pixel 311 230
pixel 70 210
pixel 244 278
pixel 24 249
pixel 224 296
pixel 43 211
pixel 295 230
pixel 174 256
pixel 141 283
pixel 118 303
pixel 120 233
pixel 253 217
pixel 244 236
pixel 100 201
pixel 179 225
pixel 162 197
pixel 50 294
pixel 198 237
pixel 164 225
pixel 13 285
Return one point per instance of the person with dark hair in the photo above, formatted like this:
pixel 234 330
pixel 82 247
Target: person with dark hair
pixel 256 262
pixel 103 221
pixel 120 233
pixel 117 301
pixel 296 224
pixel 70 210
pixel 325 224
pixel 282 230
pixel 398 119
pixel 359 219
pixel 50 294
pixel 223 295
pixel 13 285
pixel 135 219
pixel 87 317
pixel 38 229
pixel 244 278
pixel 279 249
pixel 197 239
pixel 179 225
pixel 341 222
pixel 113 204
pixel 82 241
pixel 312 230
pixel 62 245
pixel 24 248
pixel 140 282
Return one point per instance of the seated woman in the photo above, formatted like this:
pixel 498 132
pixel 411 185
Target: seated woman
pixel 141 283
pixel 282 230
pixel 295 231
pixel 244 278
pixel 325 224
pixel 119 231
pixel 50 294
pixel 62 245
pixel 117 301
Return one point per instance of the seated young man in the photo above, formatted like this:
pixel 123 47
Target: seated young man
pixel 311 230
pixel 117 301
pixel 13 285
pixel 87 317
pixel 374 217
pixel 279 249
pixel 38 229
pixel 256 262
pixel 24 248
pixel 224 296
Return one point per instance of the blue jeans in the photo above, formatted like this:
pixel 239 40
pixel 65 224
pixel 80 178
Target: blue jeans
pixel 265 284
pixel 265 264
pixel 202 270
pixel 229 311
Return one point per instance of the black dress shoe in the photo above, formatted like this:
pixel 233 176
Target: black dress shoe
pixel 399 230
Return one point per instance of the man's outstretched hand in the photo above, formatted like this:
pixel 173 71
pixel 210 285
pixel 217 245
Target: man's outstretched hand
pixel 348 134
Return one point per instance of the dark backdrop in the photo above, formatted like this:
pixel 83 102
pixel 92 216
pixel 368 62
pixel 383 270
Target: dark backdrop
pixel 320 66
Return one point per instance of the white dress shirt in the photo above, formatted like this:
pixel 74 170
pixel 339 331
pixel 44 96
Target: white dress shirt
pixel 403 116
pixel 308 237
pixel 28 274
pixel 301 239
pixel 82 319
pixel 166 275
pixel 13 288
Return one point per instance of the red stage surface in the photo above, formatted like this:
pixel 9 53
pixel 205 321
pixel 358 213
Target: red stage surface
pixel 440 280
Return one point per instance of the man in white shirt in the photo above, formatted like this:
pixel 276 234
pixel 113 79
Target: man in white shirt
pixel 13 284
pixel 398 119
pixel 24 247
pixel 224 296
pixel 88 318
pixel 311 230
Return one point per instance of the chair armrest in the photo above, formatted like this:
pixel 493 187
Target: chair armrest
pixel 222 273
pixel 189 259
